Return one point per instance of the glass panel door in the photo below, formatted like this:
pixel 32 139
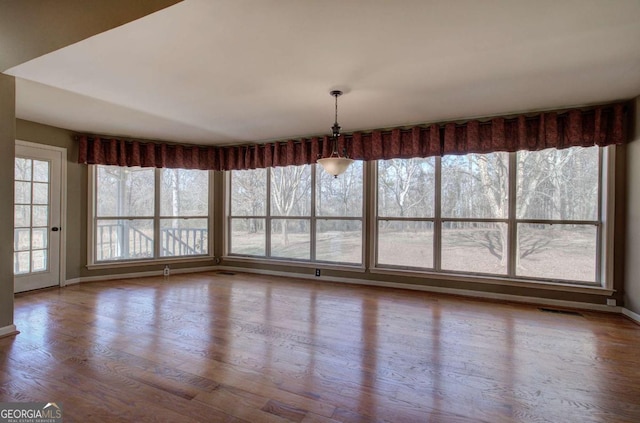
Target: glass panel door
pixel 36 242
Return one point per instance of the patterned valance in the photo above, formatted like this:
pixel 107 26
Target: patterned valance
pixel 601 125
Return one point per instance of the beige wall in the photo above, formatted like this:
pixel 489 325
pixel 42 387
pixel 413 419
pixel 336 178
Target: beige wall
pixel 632 268
pixel 7 154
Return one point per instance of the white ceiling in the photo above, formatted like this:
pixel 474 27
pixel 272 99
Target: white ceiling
pixel 234 71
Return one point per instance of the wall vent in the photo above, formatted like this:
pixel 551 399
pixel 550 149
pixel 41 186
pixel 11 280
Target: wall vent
pixel 559 311
pixel 226 273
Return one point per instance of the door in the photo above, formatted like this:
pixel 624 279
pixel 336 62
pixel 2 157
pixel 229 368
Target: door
pixel 37 230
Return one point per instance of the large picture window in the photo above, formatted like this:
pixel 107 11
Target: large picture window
pixel 297 213
pixel 474 193
pixel 406 199
pixel 144 213
pixel 528 215
pixel 532 215
pixel 558 215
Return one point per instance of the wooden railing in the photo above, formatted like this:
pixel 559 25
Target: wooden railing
pixel 120 241
pixel 183 242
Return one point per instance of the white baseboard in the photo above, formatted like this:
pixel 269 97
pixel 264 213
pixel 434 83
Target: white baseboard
pixel 138 274
pixel 631 315
pixel 8 331
pixel 435 289
pixel 355 281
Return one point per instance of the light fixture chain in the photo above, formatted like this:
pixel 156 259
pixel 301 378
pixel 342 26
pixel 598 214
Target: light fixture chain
pixel 336 121
pixel 335 164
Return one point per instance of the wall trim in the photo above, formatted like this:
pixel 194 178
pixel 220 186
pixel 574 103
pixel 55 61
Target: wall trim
pixel 631 315
pixel 435 289
pixel 133 275
pixel 8 331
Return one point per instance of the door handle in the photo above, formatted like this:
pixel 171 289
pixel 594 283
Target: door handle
pixel 56 228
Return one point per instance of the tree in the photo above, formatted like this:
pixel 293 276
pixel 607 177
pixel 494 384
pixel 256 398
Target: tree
pixel 405 187
pixel 249 196
pixel 290 191
pixel 340 196
pixel 550 185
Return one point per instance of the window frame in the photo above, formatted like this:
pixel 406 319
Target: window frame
pixel 92 219
pixel 370 218
pixel 603 224
pixel 312 218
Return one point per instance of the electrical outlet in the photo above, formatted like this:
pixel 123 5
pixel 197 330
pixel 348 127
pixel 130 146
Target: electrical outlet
pixel 167 270
pixel 611 302
pixel 317 272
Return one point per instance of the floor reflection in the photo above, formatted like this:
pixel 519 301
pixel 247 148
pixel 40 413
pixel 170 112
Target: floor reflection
pixel 249 345
pixel 369 357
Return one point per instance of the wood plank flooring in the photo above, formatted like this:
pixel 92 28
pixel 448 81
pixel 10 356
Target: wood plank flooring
pixel 245 348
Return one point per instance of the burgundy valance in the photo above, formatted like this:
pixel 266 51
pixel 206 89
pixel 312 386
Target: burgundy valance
pixel 602 126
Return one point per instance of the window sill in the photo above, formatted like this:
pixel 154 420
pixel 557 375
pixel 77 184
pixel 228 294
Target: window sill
pixel 294 263
pixel 479 279
pixel 493 280
pixel 152 262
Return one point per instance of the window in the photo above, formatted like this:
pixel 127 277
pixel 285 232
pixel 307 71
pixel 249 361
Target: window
pixel 474 208
pixel 31 216
pixel 290 207
pixel 298 213
pixel 406 196
pixel 558 224
pixel 532 215
pixel 143 213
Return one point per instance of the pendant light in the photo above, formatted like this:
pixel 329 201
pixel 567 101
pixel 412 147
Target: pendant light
pixel 335 164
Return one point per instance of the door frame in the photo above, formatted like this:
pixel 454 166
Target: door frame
pixel 62 268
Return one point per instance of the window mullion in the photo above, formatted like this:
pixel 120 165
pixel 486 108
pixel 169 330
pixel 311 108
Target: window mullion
pixel 211 248
pixel 227 248
pixel 156 214
pixel 437 224
pixel 512 228
pixel 267 220
pixel 603 240
pixel 92 255
pixel 369 214
pixel 312 217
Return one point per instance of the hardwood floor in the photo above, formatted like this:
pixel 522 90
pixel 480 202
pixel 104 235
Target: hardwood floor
pixel 245 348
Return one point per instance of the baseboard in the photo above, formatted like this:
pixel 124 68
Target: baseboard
pixel 8 331
pixel 631 315
pixel 132 275
pixel 435 289
pixel 355 281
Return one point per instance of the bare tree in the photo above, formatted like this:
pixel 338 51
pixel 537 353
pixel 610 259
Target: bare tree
pixel 340 196
pixel 249 196
pixel 290 191
pixel 405 187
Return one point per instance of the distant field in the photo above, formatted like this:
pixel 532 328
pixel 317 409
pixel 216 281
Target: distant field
pixel 566 255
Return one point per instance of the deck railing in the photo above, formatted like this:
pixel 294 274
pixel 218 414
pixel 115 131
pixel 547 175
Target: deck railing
pixel 121 241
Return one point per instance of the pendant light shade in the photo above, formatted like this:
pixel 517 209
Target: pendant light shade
pixel 335 164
